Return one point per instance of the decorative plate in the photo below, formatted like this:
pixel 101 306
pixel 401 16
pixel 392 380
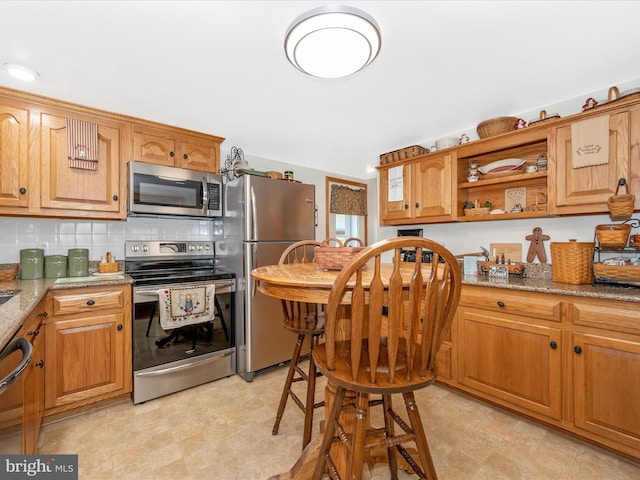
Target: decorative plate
pixel 502 165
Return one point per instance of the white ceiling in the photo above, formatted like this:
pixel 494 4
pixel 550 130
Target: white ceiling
pixel 219 67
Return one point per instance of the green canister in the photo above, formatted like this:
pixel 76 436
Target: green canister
pixel 31 263
pixel 78 262
pixel 55 266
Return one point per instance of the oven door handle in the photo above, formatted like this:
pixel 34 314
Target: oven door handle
pixel 152 293
pixel 164 371
pixel 20 343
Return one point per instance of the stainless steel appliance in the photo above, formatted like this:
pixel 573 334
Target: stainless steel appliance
pixel 166 361
pixel 14 359
pixel 262 217
pixel 160 190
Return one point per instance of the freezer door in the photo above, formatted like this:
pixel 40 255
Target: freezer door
pixel 278 210
pixel 267 341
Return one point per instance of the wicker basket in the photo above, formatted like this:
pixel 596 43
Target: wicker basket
pixel 476 211
pixel 402 154
pixel 335 258
pixel 621 205
pixel 616 272
pixel 8 273
pixel 572 262
pixel 496 126
pixel 108 267
pixel 634 241
pixel 613 235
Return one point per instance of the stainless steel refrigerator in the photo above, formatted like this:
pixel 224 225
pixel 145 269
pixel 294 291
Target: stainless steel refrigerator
pixel 262 217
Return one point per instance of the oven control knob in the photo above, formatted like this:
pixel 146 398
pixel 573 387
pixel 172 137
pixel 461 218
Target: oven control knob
pixel 134 248
pixel 199 247
pixel 145 248
pixel 192 247
pixel 206 246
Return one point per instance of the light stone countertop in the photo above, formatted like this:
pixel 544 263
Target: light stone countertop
pixel 29 292
pixel 542 285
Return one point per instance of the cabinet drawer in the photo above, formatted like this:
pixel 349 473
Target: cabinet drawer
pixel 537 305
pixel 64 303
pixel 616 316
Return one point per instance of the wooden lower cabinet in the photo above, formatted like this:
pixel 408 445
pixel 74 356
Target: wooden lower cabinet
pixel 513 359
pixel 606 387
pixel 34 381
pixel 605 360
pixel 570 362
pixel 22 405
pixel 88 346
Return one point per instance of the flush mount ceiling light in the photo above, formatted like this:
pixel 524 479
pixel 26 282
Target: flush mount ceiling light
pixel 332 41
pixel 21 72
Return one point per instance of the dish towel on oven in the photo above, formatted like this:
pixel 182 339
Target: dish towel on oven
pixel 82 144
pixel 186 306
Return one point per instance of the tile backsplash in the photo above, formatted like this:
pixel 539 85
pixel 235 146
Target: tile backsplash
pixel 59 235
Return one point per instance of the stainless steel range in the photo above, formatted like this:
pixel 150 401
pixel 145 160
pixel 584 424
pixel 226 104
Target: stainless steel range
pixel 166 361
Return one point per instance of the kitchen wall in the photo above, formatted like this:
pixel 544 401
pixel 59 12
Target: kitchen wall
pixel 98 236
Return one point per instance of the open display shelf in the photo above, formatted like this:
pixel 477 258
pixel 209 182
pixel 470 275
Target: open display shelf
pixel 493 188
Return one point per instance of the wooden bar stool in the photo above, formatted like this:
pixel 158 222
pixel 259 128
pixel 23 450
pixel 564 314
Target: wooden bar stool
pixel 417 305
pixel 307 321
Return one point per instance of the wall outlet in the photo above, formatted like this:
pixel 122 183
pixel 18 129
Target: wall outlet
pixel 44 246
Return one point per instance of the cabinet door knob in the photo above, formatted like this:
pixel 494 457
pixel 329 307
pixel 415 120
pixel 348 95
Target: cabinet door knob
pixel 171 154
pixel 417 205
pixel 553 345
pixel 577 349
pixel 185 156
pixel 40 364
pixel 23 190
pixel 120 327
pixel 501 304
pixel 91 302
pixel 115 198
pixel 43 314
pixel 406 207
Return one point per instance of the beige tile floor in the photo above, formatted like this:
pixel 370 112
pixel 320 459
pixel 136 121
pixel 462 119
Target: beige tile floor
pixel 222 431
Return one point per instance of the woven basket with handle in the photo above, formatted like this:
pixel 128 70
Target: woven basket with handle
pixel 613 235
pixel 621 205
pixel 336 257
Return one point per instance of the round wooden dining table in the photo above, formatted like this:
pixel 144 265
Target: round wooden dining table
pixel 305 282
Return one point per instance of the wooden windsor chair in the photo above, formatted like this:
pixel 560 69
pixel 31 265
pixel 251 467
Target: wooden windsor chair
pixel 379 360
pixel 307 321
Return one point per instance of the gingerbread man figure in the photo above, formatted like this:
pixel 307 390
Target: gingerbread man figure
pixel 536 248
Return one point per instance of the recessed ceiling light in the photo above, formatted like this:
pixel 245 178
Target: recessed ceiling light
pixel 21 72
pixel 332 41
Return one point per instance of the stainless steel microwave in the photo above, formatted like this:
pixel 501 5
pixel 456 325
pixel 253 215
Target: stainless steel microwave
pixel 160 190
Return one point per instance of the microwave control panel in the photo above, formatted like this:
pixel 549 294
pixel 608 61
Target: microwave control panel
pixel 214 196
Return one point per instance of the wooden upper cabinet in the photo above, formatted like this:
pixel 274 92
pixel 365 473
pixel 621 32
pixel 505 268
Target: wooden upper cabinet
pixel 393 208
pixel 14 156
pixel 587 189
pixel 75 189
pixel 176 149
pixel 427 184
pixel 432 188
